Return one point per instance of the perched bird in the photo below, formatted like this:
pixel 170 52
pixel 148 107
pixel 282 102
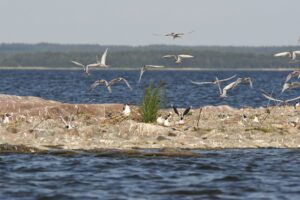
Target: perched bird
pixel 126 110
pixel 181 115
pixel 178 58
pixel 146 67
pixel 85 67
pixel 223 93
pixel 160 120
pixel 102 62
pixel 292 75
pixel 177 35
pixel 109 84
pixel 292 85
pixel 292 55
pixel 214 82
pixel 268 96
pixel 6 118
pixel 167 122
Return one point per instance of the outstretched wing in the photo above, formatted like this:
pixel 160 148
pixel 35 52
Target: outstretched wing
pixel 227 79
pixel 294 99
pixel 170 56
pixel 266 95
pixel 126 82
pixel 175 110
pixel 103 58
pixel 185 56
pixel 96 83
pixel 93 65
pixel 230 86
pixel 141 73
pixel 154 66
pixel 201 83
pixel 282 54
pixel 78 64
pixel 187 110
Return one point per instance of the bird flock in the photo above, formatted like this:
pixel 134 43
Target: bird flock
pixel 223 92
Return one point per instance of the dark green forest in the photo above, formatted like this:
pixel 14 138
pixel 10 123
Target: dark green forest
pixel 59 55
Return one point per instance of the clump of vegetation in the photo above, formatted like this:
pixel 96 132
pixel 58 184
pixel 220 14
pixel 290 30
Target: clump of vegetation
pixel 151 102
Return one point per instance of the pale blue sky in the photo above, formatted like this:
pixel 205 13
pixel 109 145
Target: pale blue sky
pixel 133 22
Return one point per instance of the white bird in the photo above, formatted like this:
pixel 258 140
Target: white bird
pixel 292 85
pixel 292 75
pixel 214 82
pixel 167 123
pixel 223 93
pixel 85 67
pixel 109 84
pixel 160 120
pixel 177 35
pixel 292 55
pixel 178 58
pixel 146 67
pixel 102 62
pixel 268 96
pixel 6 118
pixel 181 115
pixel 126 110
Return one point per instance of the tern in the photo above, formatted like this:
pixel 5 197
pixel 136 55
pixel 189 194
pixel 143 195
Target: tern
pixel 109 84
pixel 160 120
pixel 126 110
pixel 214 82
pixel 181 115
pixel 223 93
pixel 178 58
pixel 292 75
pixel 268 96
pixel 6 118
pixel 102 62
pixel 85 67
pixel 292 85
pixel 292 55
pixel 146 67
pixel 177 35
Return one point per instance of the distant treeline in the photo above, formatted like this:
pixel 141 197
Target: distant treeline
pixel 58 55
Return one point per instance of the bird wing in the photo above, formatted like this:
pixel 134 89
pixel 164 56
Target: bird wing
pixel 230 86
pixel 285 87
pixel 93 65
pixel 201 83
pixel 118 80
pixel 294 54
pixel 185 56
pixel 126 82
pixel 103 58
pixel 141 73
pixel 78 63
pixel 153 66
pixel 175 110
pixel 218 82
pixel 187 110
pixel 294 99
pixel 96 83
pixel 227 79
pixel 282 54
pixel 266 95
pixel 170 56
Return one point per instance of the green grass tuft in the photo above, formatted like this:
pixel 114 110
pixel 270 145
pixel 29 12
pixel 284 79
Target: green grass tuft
pixel 151 102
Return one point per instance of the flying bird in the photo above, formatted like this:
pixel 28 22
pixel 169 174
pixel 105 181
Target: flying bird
pixel 292 55
pixel 268 96
pixel 85 67
pixel 178 58
pixel 177 35
pixel 102 62
pixel 292 85
pixel 223 93
pixel 214 82
pixel 181 115
pixel 146 67
pixel 109 84
pixel 292 75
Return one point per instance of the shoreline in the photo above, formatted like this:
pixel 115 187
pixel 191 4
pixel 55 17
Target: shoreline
pixel 137 69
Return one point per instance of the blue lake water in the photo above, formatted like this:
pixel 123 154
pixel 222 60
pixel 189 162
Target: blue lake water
pixel 72 86
pixel 224 174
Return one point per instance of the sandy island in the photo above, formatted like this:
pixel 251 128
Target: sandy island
pixel 36 124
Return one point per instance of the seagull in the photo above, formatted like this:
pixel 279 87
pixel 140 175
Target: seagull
pixel 181 115
pixel 268 96
pixel 85 67
pixel 178 58
pixel 102 62
pixel 292 55
pixel 292 85
pixel 177 35
pixel 126 110
pixel 146 67
pixel 292 75
pixel 223 93
pixel 214 82
pixel 109 84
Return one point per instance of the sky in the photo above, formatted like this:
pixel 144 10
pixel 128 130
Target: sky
pixel 144 22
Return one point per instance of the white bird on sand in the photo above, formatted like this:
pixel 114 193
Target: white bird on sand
pixel 109 84
pixel 178 58
pixel 292 75
pixel 146 67
pixel 181 115
pixel 126 110
pixel 214 82
pixel 223 93
pixel 177 35
pixel 85 67
pixel 167 123
pixel 292 85
pixel 160 120
pixel 292 55
pixel 102 62
pixel 6 118
pixel 268 96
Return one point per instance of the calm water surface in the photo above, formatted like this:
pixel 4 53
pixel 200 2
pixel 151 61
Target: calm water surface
pixel 72 86
pixel 226 174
